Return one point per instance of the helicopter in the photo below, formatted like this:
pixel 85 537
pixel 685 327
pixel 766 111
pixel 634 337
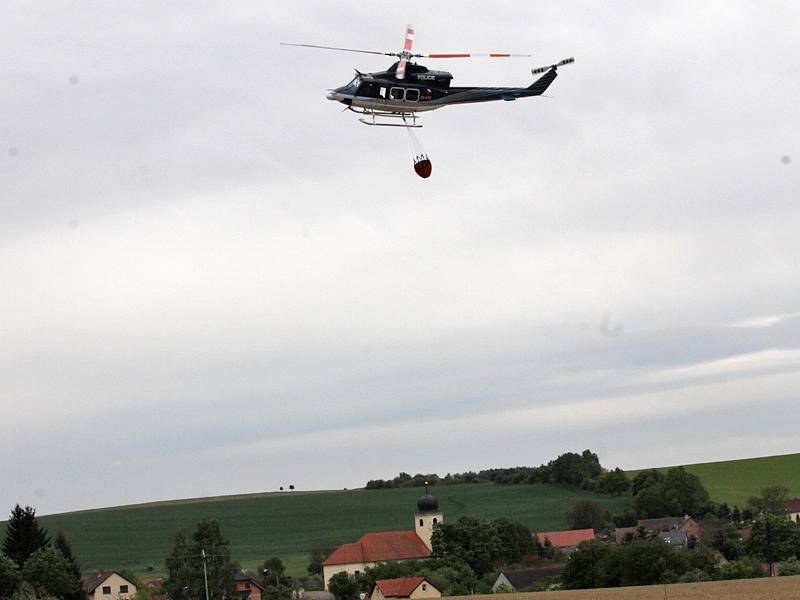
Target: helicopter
pixel 392 98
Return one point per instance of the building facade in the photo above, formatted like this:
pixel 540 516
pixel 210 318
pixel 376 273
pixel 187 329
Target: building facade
pixel 108 585
pixel 387 546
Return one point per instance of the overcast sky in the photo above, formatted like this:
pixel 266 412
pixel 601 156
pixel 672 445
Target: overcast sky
pixel 213 281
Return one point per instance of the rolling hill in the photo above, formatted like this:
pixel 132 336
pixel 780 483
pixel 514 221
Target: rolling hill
pixel 734 481
pixel 290 524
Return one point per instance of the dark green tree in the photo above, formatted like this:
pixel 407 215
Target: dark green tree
pixel 614 482
pixel 9 576
pixel 344 586
pixel 748 567
pixel 515 541
pixel 61 543
pixel 643 563
pixel 50 573
pixel 645 479
pixel 773 538
pixel 24 535
pixel 318 556
pixel 273 571
pixel 277 592
pixel 587 514
pixel 469 539
pixel 580 470
pixel 772 500
pixel 676 493
pixel 585 568
pixel 185 564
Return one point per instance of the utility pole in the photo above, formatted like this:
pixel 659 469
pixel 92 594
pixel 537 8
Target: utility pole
pixel 205 572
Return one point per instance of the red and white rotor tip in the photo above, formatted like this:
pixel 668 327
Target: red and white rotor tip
pixel 408 44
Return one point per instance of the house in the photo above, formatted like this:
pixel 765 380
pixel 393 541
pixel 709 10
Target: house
pixel 623 533
pixel 793 508
pixel 387 546
pixel 686 524
pixel 404 587
pixel 523 579
pixel 248 587
pixel 674 537
pixel 108 585
pixel 566 541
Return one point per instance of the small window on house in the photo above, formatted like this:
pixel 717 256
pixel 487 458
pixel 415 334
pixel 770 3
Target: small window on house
pixel 424 587
pixel 107 590
pixel 435 520
pixel 421 523
pixel 247 585
pixel 123 589
pixel 357 573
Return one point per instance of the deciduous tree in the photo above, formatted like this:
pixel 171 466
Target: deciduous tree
pixel 50 573
pixel 185 564
pixel 9 576
pixel 587 514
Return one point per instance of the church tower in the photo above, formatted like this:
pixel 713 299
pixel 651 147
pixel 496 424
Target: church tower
pixel 428 515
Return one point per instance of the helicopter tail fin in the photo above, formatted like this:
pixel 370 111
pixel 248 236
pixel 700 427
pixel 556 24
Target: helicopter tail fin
pixel 540 85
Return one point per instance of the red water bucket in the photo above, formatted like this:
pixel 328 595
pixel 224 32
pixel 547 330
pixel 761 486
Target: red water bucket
pixel 423 168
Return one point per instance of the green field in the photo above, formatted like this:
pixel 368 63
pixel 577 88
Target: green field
pixel 734 481
pixel 290 524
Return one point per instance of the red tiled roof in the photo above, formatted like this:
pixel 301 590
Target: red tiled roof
pixel 793 505
pixel 402 587
pixel 566 539
pixel 379 547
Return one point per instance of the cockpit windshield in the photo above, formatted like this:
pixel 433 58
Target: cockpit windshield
pixel 355 82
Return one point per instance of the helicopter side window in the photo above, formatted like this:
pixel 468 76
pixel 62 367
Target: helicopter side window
pixel 397 93
pixel 412 95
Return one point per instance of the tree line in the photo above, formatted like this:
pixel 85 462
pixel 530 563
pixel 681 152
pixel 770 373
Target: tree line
pixel 582 470
pixel 34 566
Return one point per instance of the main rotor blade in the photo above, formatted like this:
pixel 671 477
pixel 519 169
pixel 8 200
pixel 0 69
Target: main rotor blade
pixel 340 49
pixel 400 73
pixel 409 41
pixel 472 54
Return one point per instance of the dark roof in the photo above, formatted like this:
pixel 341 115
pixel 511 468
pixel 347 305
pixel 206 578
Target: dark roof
pixel 245 575
pixel 793 505
pixel 92 581
pixel 621 532
pixel 664 523
pixel 379 547
pixel 675 537
pixel 525 578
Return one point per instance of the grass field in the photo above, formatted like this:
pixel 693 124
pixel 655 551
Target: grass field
pixel 734 481
pixel 773 588
pixel 290 524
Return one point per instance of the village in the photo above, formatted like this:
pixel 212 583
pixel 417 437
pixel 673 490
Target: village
pixel 436 557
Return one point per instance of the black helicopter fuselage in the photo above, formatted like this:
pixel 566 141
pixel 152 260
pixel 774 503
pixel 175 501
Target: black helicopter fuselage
pixel 423 90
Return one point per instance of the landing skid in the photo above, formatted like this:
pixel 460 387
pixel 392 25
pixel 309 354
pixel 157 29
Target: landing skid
pixel 374 118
